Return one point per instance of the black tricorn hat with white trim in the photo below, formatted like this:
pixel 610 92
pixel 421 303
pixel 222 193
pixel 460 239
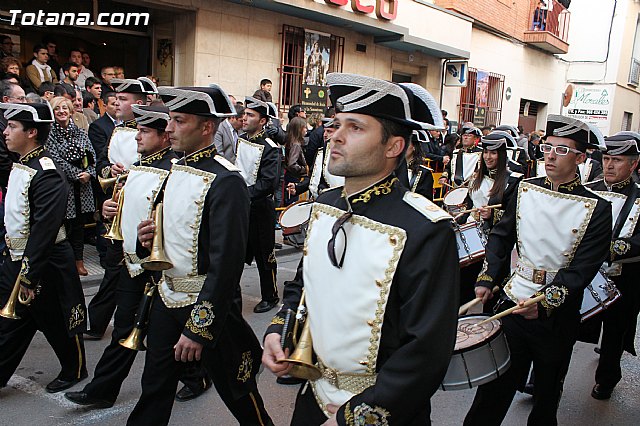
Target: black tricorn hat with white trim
pixel 577 130
pixel 141 85
pixel 209 101
pixel 623 143
pixel 154 116
pixel 34 113
pixel 513 130
pixel 266 109
pixel 497 140
pixel 425 109
pixel 471 131
pixel 370 96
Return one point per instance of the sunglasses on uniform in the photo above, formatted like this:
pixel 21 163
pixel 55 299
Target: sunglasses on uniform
pixel 559 150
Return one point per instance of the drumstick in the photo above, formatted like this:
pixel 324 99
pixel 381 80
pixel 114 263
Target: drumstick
pixel 464 308
pixel 494 206
pixel 529 302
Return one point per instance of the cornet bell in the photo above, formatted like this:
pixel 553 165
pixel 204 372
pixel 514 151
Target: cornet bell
pixel 134 341
pixel 157 260
pixel 302 357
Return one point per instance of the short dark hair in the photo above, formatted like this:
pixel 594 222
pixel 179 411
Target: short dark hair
pixel 265 81
pixel 392 128
pixel 90 82
pixel 75 49
pixel 140 97
pixel 239 110
pixel 39 47
pixel 331 112
pixel 106 95
pixel 294 110
pixel 58 90
pixel 87 98
pixel 68 65
pixel 68 89
pixel 46 86
pixel 6 88
pixel 42 128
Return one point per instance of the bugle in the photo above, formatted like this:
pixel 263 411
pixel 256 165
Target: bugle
pixel 137 335
pixel 9 310
pixel 157 260
pixel 106 183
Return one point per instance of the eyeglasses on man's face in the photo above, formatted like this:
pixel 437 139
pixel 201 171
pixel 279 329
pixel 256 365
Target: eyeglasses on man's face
pixel 559 150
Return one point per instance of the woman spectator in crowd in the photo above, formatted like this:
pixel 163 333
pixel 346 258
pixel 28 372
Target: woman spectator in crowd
pixel 295 164
pixel 72 150
pixel 10 65
pixel 450 143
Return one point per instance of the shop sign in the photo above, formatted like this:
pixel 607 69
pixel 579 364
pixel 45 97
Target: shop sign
pixel 386 10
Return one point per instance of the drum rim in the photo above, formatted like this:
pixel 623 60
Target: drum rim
pixel 491 338
pixel 444 199
pixel 297 203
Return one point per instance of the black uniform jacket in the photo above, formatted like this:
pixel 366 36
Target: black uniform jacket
pixel 421 182
pixel 419 327
pixel 45 263
pixel 496 214
pixel 588 256
pixel 268 172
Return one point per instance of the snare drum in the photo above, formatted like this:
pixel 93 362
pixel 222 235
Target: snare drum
pixel 454 200
pixel 471 241
pixel 295 216
pixel 481 354
pixel 598 296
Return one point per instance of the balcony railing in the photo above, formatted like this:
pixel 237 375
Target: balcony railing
pixel 634 72
pixel 549 29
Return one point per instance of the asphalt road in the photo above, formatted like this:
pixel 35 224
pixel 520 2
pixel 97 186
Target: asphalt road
pixel 24 401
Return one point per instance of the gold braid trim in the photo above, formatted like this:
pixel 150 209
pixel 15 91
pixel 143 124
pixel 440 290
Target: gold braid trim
pixel 381 189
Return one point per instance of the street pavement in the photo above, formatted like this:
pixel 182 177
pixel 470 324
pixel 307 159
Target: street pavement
pixel 25 402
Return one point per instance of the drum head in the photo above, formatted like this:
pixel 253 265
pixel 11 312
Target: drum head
pixel 296 214
pixel 456 197
pixel 471 335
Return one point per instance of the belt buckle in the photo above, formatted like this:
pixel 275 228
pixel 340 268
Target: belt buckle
pixel 539 276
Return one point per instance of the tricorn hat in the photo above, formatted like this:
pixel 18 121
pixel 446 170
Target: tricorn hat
pixel 623 143
pixel 141 85
pixel 266 109
pixel 577 130
pixel 497 140
pixel 154 116
pixel 35 113
pixel 209 101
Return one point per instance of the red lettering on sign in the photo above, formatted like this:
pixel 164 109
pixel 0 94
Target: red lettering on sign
pixel 391 13
pixel 337 2
pixel 360 8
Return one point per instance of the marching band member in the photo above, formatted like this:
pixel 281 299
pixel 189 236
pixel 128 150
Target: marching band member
pixel 412 173
pixel 41 261
pixel 197 311
pixel 258 159
pixel 464 161
pixel 517 156
pixel 120 153
pixel 622 267
pixel 562 232
pixel 368 267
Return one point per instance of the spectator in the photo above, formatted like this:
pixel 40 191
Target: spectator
pixel 6 46
pixel 34 98
pixel 522 139
pixel 316 138
pixel 450 143
pixel 71 148
pixel 264 93
pixel 226 137
pixel 46 91
pixel 93 86
pixel 296 111
pixel 101 129
pixel 51 46
pixel 60 90
pixel 107 74
pixel 12 78
pixel 433 149
pixel 75 56
pixel 39 72
pixel 9 64
pixel 295 163
pixel 88 104
pixel 485 130
pixel 78 114
pixel 86 62
pixel 154 80
pixel 119 71
pixel 70 72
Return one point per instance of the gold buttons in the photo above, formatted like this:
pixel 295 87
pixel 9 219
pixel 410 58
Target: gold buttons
pixel 379 283
pixel 574 230
pixel 393 240
pixel 525 189
pixel 370 322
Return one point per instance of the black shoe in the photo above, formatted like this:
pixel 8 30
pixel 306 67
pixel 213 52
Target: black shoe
pixel 92 335
pixel 83 398
pixel 58 385
pixel 266 305
pixel 597 350
pixel 289 380
pixel 601 392
pixel 277 246
pixel 186 393
pixel 528 389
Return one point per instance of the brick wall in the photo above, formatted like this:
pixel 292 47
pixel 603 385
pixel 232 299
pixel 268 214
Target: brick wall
pixel 511 17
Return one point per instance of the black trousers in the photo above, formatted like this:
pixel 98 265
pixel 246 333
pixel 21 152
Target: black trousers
pixel 116 361
pixel 548 343
pixel 162 371
pixel 468 277
pixel 46 315
pixel 261 246
pixel 75 235
pixel 618 321
pixel 103 304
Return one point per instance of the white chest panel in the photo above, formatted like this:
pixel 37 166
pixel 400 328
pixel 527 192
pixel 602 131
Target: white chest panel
pixel 16 207
pixel 248 160
pixel 123 147
pixel 316 174
pixel 332 180
pixel 480 197
pixel 469 164
pixel 140 191
pixel 585 170
pixel 550 227
pixel 346 306
pixel 183 203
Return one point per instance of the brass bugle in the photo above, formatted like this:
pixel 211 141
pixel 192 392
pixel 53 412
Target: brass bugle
pixel 115 230
pixel 135 339
pixel 157 260
pixel 106 183
pixel 9 310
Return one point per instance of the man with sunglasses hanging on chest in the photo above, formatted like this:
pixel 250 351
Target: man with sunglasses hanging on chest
pixel 197 310
pixel 562 231
pixel 465 159
pixel 258 159
pixel 618 322
pixel 381 321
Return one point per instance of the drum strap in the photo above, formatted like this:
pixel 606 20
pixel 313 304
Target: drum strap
pixel 624 212
pixel 458 177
